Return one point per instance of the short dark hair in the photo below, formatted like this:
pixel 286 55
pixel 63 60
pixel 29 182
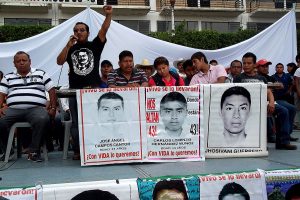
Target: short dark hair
pixel 187 63
pixel 236 61
pixel 124 54
pixel 294 66
pixel 95 195
pixel 159 61
pixel 21 52
pixel 86 26
pixel 236 90
pixel 199 55
pixel 110 95
pixel 213 61
pixel 1 75
pixel 279 64
pixel 169 185
pixel 250 55
pixel 106 62
pixel 293 191
pixel 173 96
pixel 233 188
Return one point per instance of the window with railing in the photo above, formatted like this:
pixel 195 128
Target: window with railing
pixel 221 26
pixel 26 21
pixel 142 26
pixel 165 26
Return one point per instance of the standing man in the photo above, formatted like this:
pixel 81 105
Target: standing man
pixel 83 58
pixel 207 74
pixel 127 75
pixel 26 101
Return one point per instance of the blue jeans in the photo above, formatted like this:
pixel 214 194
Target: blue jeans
pixel 282 125
pixel 292 112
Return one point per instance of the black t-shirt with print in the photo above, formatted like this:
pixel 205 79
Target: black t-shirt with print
pixel 244 78
pixel 83 60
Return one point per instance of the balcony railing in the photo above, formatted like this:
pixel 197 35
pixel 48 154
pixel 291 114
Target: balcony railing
pixel 80 2
pixel 204 3
pixel 272 4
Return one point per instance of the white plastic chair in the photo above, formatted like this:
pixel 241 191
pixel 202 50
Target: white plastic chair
pixel 11 137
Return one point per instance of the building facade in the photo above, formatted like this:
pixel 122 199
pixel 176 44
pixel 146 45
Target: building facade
pixel 148 16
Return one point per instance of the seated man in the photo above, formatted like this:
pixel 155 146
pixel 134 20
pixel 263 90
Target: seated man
pixel 164 77
pixel 127 75
pixel 26 100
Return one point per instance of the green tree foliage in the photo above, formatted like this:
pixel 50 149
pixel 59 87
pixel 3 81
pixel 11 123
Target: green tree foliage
pixel 17 32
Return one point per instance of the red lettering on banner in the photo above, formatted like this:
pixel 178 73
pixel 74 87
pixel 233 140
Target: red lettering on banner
pixel 151 104
pixel 152 131
pixel 152 117
pixel 103 155
pixel 152 153
pixel 91 156
pixel 164 153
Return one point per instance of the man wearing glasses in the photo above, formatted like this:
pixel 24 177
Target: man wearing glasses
pixel 235 70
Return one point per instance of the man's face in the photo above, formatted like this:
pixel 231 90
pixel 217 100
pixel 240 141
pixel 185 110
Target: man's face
pixel 83 58
pixel 163 70
pixel 126 64
pixel 236 68
pixel 190 71
pixel 279 69
pixel 180 67
pixel 22 63
pixel 81 33
pixel 106 69
pixel 111 110
pixel 248 65
pixel 173 114
pixel 198 63
pixel 170 194
pixel 235 112
pixel 234 197
pixel 263 69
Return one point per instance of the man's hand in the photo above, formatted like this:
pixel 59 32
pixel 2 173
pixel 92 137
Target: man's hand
pixel 52 113
pixel 73 39
pixel 107 10
pixel 2 111
pixel 271 108
pixel 133 85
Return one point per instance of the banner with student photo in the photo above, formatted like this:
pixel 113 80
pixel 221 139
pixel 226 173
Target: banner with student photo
pixel 246 185
pixel 235 120
pixel 161 188
pixel 111 124
pixel 283 184
pixel 124 189
pixel 173 124
pixel 30 193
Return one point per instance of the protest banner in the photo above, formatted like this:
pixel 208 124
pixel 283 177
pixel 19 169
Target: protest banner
pixel 31 193
pixel 111 124
pixel 235 120
pixel 160 188
pixel 246 185
pixel 173 124
pixel 283 184
pixel 125 189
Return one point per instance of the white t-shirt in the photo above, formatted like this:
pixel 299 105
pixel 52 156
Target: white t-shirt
pixel 297 73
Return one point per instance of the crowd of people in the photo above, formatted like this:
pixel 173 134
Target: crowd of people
pixel 23 91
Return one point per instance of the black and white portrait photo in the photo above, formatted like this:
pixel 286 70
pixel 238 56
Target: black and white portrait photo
pixel 83 61
pixel 234 117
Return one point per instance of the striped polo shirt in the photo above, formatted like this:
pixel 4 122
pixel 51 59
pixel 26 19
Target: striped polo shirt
pixel 118 79
pixel 26 92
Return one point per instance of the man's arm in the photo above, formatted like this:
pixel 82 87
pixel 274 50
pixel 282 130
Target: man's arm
pixel 104 28
pixel 271 105
pixel 62 57
pixel 2 107
pixel 221 79
pixel 53 100
pixel 297 87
